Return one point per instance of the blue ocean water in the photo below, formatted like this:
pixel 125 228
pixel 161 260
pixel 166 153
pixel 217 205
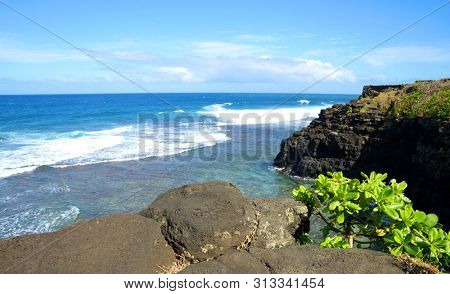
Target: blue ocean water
pixel 65 158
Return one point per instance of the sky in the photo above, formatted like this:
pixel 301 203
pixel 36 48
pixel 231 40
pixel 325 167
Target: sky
pixel 227 46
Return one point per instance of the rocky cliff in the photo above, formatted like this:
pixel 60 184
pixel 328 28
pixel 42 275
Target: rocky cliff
pixel 368 134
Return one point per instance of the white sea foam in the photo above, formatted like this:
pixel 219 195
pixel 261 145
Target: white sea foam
pixel 303 101
pixel 117 144
pixel 260 116
pixel 37 220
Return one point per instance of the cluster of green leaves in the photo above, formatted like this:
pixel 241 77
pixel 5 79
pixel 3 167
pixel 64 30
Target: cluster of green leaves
pixel 376 214
pixel 417 104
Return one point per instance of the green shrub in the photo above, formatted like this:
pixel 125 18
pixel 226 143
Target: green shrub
pixel 417 104
pixel 349 109
pixel 374 214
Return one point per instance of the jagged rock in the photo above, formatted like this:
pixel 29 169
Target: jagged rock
pixel 204 221
pixel 114 244
pixel 362 136
pixel 234 262
pixel 279 220
pixel 296 259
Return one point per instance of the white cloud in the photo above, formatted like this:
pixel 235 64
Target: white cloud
pixel 213 49
pixel 131 55
pixel 256 38
pixel 177 73
pixel 407 54
pixel 274 70
pixel 19 55
pixel 207 62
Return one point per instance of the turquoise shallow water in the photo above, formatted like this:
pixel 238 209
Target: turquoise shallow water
pixel 65 158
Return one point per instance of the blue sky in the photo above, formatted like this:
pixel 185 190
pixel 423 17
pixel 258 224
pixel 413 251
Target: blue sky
pixel 231 46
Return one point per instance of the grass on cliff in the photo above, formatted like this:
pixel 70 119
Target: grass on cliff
pixel 421 99
pixel 418 104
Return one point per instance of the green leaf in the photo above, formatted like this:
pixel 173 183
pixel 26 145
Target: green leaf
pixel 411 250
pixel 352 196
pixel 419 216
pixel 402 185
pixel 433 234
pixel 333 205
pixel 340 218
pixel 398 236
pixel 391 212
pixel 353 206
pixel 431 220
pixel 397 250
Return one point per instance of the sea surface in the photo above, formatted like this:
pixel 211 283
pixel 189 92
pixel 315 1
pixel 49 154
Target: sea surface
pixel 67 158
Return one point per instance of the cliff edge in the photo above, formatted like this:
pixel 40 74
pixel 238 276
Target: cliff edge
pixel 403 130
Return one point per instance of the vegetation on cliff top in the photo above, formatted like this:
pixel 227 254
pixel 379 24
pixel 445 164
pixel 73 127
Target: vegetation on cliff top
pixel 418 104
pixel 374 214
pixel 421 99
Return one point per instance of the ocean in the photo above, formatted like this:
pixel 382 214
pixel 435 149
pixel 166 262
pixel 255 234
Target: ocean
pixel 68 158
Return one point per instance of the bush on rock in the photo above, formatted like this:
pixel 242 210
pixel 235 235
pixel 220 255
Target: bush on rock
pixel 372 213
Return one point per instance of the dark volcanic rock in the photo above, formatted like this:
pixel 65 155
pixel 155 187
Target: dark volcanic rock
pixel 114 244
pixel 297 259
pixel 234 262
pixel 204 221
pixel 362 136
pixel 279 220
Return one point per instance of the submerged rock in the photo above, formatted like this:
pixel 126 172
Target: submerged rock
pixel 123 243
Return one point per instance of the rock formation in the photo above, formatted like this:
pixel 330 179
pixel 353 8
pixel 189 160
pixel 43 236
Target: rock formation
pixel 364 136
pixel 201 228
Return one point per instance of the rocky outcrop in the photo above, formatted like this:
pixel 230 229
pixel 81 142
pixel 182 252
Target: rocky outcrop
pixel 363 135
pixel 204 221
pixel 114 244
pixel 202 229
pixel 296 259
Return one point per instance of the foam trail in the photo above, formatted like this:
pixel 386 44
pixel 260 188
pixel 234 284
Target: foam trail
pixel 260 116
pixel 37 220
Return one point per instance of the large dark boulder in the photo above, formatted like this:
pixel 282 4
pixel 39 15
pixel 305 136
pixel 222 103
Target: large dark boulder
pixel 204 221
pixel 116 244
